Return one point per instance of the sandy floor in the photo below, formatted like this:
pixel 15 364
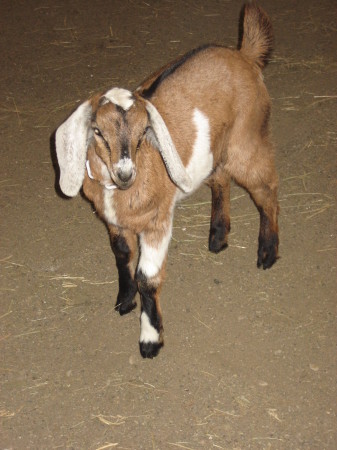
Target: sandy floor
pixel 250 356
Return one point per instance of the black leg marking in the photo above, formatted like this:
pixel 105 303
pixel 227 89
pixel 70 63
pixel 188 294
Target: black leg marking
pixel 150 341
pixel 268 243
pixel 149 350
pixel 127 291
pixel 127 284
pixel 218 237
pixel 220 226
pixel 267 252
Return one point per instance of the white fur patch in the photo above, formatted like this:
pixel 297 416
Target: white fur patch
pixel 201 163
pixel 147 332
pixel 152 258
pixel 110 186
pixel 104 172
pixel 89 170
pixel 125 165
pixel 120 97
pixel 71 148
pixel 109 210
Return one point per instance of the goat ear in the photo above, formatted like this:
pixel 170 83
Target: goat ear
pixel 71 148
pixel 162 140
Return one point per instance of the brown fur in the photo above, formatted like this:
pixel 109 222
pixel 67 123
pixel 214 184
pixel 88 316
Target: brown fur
pixel 257 39
pixel 227 87
pixel 229 90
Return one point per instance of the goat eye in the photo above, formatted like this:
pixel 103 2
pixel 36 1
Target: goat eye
pixel 142 138
pixel 140 142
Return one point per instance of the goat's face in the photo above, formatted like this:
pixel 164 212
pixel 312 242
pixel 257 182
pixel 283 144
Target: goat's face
pixel 117 133
pixel 113 125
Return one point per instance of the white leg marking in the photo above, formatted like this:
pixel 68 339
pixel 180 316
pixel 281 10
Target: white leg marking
pixel 147 332
pixel 109 210
pixel 152 258
pixel 120 97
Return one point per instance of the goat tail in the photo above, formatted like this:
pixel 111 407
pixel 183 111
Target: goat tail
pixel 256 34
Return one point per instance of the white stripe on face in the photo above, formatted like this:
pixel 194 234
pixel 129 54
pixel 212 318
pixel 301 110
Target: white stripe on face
pixel 120 97
pixel 152 258
pixel 124 164
pixel 124 167
pixel 147 332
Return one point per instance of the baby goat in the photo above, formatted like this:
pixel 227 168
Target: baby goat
pixel 201 119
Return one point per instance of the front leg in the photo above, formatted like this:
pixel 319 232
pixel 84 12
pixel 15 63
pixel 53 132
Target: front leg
pixel 124 246
pixel 150 276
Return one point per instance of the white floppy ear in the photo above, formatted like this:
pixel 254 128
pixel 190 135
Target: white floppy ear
pixel 166 147
pixel 71 140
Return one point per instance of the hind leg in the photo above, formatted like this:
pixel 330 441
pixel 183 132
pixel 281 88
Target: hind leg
pixel 265 199
pixel 253 168
pixel 220 215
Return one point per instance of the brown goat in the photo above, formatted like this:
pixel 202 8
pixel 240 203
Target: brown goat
pixel 201 119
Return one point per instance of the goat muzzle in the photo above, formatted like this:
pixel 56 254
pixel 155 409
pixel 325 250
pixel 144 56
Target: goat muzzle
pixel 123 173
pixel 124 180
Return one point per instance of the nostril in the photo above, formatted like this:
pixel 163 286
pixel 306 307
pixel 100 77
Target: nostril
pixel 124 176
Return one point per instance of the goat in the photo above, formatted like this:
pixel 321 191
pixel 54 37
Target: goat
pixel 204 118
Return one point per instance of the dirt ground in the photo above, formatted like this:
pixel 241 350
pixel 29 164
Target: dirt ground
pixel 250 357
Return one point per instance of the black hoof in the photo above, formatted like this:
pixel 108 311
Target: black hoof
pixel 149 349
pixel 125 308
pixel 215 247
pixel 218 239
pixel 267 253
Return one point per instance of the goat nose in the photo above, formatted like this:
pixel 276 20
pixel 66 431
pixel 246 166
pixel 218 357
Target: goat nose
pixel 124 176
